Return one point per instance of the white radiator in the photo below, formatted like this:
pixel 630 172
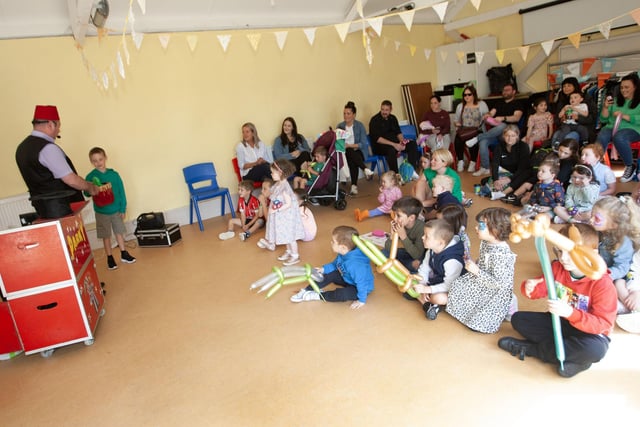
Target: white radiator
pixel 12 207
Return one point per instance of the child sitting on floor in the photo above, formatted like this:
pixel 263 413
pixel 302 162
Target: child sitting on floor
pixel 250 219
pixel 443 263
pixel 389 193
pixel 351 270
pixel 410 230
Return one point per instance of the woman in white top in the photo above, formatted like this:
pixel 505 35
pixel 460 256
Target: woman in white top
pixel 254 157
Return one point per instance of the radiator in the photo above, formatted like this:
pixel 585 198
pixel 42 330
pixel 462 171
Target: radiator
pixel 12 207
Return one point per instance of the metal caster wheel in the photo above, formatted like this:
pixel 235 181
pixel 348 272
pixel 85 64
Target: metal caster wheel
pixel 47 353
pixel 102 312
pixel 89 342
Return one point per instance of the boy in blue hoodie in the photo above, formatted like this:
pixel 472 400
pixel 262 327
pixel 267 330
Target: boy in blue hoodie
pixel 351 270
pixel 443 263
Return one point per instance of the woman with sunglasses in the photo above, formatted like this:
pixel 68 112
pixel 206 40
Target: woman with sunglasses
pixel 469 114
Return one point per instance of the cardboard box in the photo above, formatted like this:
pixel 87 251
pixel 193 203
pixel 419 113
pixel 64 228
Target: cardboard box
pixel 169 235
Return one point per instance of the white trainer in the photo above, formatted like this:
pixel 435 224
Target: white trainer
pixel 472 167
pixel 473 141
pixel 497 195
pixel 482 172
pixel 368 174
pixel 293 259
pixel 460 165
pixel 284 256
pixel 354 190
pixel 265 244
pixel 226 235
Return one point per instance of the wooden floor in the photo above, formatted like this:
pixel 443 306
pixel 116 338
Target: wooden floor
pixel 185 343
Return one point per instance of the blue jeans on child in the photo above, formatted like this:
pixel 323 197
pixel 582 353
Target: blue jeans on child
pixel 622 140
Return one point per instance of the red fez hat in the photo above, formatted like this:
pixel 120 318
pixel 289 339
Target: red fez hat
pixel 46 112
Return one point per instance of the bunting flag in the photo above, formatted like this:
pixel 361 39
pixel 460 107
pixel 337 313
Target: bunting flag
pixel 636 16
pixel 281 38
pixel 605 29
pixel 93 73
pixel 137 39
pixel 479 57
pixel 254 40
pixel 407 18
pixel 546 46
pixel 376 24
pixel 359 8
pixel 476 4
pixel 311 35
pixel 443 55
pixel 343 30
pixel 164 40
pixel 441 9
pixel 397 43
pixel 105 80
pixel 366 39
pixel 114 78
pixel 192 41
pixel 500 55
pixel 586 64
pixel 412 49
pixel 127 57
pixel 460 55
pixel 143 6
pixel 575 39
pixel 427 54
pixel 607 64
pixel 574 68
pixel 120 65
pixel 224 41
pixel 524 51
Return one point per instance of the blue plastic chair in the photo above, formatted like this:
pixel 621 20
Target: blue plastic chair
pixel 409 132
pixel 203 185
pixel 377 162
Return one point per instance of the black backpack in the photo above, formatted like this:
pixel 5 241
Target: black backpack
pixel 500 76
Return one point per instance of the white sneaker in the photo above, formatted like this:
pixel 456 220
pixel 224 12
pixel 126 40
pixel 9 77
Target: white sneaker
pixel 304 295
pixel 497 195
pixel 482 172
pixel 293 259
pixel 629 322
pixel 226 235
pixel 265 244
pixel 354 190
pixel 284 256
pixel 472 167
pixel 460 165
pixel 368 174
pixel 473 141
pixel 558 220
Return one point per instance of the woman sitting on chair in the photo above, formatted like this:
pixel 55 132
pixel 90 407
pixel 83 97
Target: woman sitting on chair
pixel 254 157
pixel 291 145
pixel 355 145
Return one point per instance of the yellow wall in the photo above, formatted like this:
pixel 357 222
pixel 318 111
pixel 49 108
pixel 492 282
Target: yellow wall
pixel 176 107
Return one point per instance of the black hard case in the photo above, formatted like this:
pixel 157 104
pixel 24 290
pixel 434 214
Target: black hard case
pixel 169 235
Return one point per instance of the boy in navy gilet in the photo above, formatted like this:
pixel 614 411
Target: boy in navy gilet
pixel 443 263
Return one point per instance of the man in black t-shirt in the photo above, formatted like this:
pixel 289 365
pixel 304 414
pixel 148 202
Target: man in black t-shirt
pixel 507 111
pixel 387 140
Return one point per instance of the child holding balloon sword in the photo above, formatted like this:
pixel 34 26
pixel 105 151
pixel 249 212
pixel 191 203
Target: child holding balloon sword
pixel 586 307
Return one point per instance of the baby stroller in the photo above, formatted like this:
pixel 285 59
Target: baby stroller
pixel 326 187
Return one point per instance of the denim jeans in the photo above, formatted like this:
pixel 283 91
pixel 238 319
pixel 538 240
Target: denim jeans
pixel 486 140
pixel 622 141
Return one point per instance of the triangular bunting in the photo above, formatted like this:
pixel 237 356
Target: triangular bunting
pixel 407 18
pixel 164 40
pixel 105 80
pixel 127 57
pixel 479 57
pixel 397 43
pixel 224 41
pixel 586 64
pixel 412 49
pixel 359 8
pixel 574 68
pixel 114 77
pixel 192 41
pixel 607 64
pixel 254 39
pixel 93 73
pixel 605 29
pixel 546 46
pixel 443 55
pixel 636 16
pixel 143 6
pixel 137 39
pixel 427 54
pixel 460 55
pixel 281 38
pixel 311 35
pixel 343 30
pixel 441 9
pixel 476 4
pixel 366 41
pixel 575 39
pixel 120 64
pixel 500 55
pixel 524 51
pixel 376 24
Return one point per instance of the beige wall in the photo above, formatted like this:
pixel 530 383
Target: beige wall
pixel 177 107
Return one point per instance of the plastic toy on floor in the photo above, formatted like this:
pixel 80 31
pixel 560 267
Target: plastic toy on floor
pixel 287 276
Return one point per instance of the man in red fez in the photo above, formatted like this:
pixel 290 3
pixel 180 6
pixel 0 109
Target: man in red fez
pixel 49 174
